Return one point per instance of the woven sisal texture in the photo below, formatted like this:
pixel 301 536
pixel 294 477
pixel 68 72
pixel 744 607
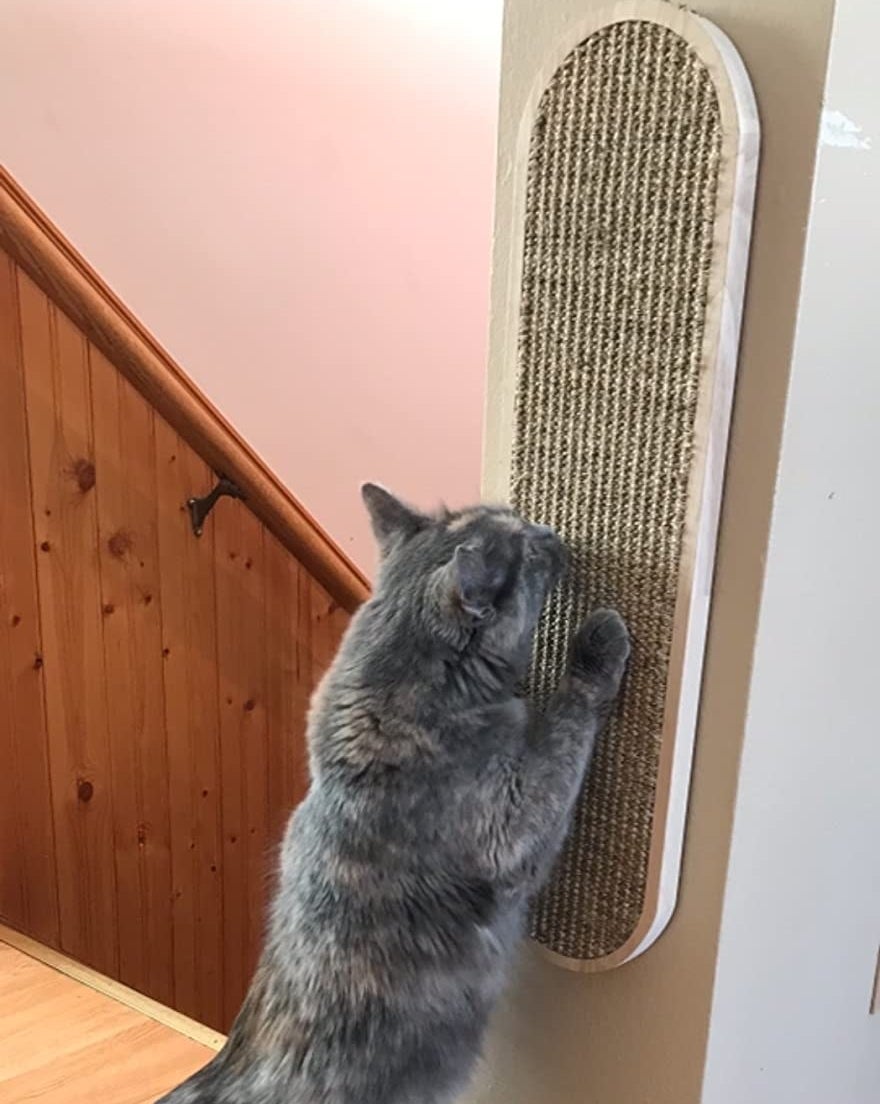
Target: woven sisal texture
pixel 620 211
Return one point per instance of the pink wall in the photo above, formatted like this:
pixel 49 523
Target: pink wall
pixel 317 177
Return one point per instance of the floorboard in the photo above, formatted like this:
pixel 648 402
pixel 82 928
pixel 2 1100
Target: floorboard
pixel 70 1036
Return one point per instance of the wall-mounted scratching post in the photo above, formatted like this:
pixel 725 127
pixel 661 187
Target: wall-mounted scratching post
pixel 612 375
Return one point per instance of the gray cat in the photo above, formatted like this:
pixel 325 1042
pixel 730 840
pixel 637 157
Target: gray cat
pixel 436 809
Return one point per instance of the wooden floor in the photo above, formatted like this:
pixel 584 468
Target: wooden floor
pixel 69 1036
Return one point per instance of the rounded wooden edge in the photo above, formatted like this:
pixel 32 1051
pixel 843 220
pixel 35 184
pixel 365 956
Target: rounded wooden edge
pixel 740 129
pixel 29 237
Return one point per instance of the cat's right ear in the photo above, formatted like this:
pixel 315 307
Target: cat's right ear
pixel 392 520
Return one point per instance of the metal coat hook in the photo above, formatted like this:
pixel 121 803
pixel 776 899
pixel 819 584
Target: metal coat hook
pixel 199 508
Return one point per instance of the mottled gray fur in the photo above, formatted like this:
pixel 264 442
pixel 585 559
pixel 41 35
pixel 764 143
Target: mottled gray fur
pixel 436 807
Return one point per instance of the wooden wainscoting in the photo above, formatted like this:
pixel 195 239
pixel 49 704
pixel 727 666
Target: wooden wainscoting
pixel 153 685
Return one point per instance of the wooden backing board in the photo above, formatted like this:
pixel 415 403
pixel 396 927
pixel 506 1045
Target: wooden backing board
pixel 727 280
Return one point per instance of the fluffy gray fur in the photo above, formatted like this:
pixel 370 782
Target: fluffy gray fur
pixel 436 807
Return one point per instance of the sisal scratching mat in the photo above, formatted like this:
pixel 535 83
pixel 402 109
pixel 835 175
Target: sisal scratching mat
pixel 610 393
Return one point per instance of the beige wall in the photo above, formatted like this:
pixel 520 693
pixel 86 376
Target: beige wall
pixel 638 1035
pixel 318 176
pixel 801 923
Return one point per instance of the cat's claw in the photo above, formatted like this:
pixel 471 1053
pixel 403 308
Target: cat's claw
pixel 601 646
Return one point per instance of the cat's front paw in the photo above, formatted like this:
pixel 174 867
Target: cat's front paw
pixel 601 647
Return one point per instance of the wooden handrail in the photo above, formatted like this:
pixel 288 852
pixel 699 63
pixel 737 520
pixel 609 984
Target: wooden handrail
pixel 28 236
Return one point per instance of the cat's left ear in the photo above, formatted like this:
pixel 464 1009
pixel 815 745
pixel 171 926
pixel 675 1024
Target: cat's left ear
pixel 392 519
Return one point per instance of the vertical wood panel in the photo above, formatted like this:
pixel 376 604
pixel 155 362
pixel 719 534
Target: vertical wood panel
pixel 241 665
pixel 327 622
pixel 125 461
pixel 303 629
pixel 288 682
pixel 28 892
pixel 55 358
pixel 192 723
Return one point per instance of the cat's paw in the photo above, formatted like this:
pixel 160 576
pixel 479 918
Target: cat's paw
pixel 601 647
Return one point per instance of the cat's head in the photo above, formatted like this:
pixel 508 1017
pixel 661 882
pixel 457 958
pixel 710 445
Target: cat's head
pixel 473 580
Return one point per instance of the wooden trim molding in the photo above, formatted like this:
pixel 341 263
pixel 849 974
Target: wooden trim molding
pixel 28 236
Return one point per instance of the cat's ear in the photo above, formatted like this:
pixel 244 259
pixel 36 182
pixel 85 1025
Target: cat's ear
pixel 476 581
pixel 392 519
